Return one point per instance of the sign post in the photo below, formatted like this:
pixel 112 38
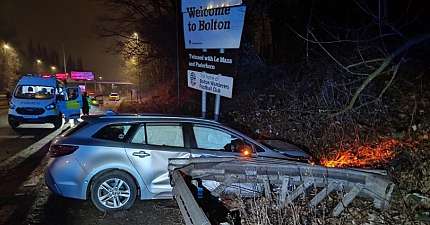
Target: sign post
pixel 212 24
pixel 204 97
pixel 218 100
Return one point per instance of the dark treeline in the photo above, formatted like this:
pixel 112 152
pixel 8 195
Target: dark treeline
pixel 318 59
pixel 18 58
pixel 48 57
pixel 22 57
pixel 277 32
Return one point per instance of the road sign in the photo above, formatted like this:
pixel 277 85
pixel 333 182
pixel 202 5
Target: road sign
pixel 211 61
pixel 206 82
pixel 208 4
pixel 213 28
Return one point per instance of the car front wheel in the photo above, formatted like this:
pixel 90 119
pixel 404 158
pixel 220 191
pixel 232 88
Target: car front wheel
pixel 113 191
pixel 13 123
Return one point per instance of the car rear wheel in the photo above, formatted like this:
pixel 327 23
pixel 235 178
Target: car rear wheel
pixel 113 191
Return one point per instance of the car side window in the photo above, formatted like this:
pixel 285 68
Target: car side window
pixel 115 132
pixel 72 93
pixel 213 139
pixel 165 135
pixel 139 136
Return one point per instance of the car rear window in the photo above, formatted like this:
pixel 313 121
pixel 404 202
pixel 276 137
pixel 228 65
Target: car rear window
pixel 75 129
pixel 114 132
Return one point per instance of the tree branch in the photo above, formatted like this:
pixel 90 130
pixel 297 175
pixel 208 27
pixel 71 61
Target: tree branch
pixel 381 68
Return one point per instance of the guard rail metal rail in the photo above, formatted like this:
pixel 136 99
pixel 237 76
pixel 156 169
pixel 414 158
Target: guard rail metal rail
pixel 291 178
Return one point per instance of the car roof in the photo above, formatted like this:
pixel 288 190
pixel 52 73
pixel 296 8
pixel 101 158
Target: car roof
pixel 36 80
pixel 146 117
pixel 103 120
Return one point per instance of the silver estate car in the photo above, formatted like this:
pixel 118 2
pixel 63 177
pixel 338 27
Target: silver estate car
pixel 114 159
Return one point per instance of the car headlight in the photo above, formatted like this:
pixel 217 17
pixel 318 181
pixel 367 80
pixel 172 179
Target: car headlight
pixel 11 105
pixel 50 107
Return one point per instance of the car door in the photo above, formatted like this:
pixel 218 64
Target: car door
pixel 71 104
pixel 150 150
pixel 215 141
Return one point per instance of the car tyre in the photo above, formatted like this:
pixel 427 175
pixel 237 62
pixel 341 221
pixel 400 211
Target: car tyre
pixel 113 191
pixel 13 123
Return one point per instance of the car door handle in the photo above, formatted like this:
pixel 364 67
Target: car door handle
pixel 141 154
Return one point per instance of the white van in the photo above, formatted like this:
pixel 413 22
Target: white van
pixel 39 99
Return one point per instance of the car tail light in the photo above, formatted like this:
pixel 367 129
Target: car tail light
pixel 62 150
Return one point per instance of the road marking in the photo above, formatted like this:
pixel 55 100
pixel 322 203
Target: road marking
pixel 16 136
pixel 27 137
pixel 27 152
pixel 9 136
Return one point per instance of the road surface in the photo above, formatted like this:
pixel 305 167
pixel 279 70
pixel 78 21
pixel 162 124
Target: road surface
pixel 25 199
pixel 14 141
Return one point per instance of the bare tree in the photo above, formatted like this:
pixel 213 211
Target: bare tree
pixel 9 67
pixel 144 31
pixel 378 43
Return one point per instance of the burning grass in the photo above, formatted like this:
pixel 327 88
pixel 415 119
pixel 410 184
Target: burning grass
pixel 363 156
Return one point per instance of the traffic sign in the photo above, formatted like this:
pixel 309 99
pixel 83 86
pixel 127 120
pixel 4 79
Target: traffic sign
pixel 214 28
pixel 211 61
pixel 215 84
pixel 209 4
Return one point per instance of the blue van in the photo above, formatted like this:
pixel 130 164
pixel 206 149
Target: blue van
pixel 39 99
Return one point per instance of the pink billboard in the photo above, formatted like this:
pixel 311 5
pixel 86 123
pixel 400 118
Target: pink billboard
pixel 62 76
pixel 76 75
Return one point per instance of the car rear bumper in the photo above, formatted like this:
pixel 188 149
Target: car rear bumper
pixel 49 181
pixel 64 176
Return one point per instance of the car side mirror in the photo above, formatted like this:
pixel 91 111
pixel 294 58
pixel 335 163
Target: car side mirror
pixel 239 146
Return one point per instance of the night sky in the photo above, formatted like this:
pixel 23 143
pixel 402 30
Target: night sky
pixel 72 22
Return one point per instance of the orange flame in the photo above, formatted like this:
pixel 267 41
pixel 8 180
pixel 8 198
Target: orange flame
pixel 363 156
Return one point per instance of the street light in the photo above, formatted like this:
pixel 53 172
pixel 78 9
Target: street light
pixel 136 35
pixel 136 63
pixel 53 68
pixel 133 61
pixel 6 46
pixel 38 61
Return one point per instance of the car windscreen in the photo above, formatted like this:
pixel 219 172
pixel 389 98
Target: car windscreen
pixel 114 94
pixel 34 92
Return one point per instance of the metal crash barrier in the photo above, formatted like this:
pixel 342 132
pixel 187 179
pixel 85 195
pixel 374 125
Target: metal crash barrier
pixel 291 178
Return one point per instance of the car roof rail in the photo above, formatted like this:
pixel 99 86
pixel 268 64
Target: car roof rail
pixel 115 115
pixel 89 118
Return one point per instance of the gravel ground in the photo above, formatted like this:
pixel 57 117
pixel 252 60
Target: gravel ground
pixel 49 209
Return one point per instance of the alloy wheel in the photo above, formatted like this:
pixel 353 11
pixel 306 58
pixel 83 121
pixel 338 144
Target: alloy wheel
pixel 114 193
